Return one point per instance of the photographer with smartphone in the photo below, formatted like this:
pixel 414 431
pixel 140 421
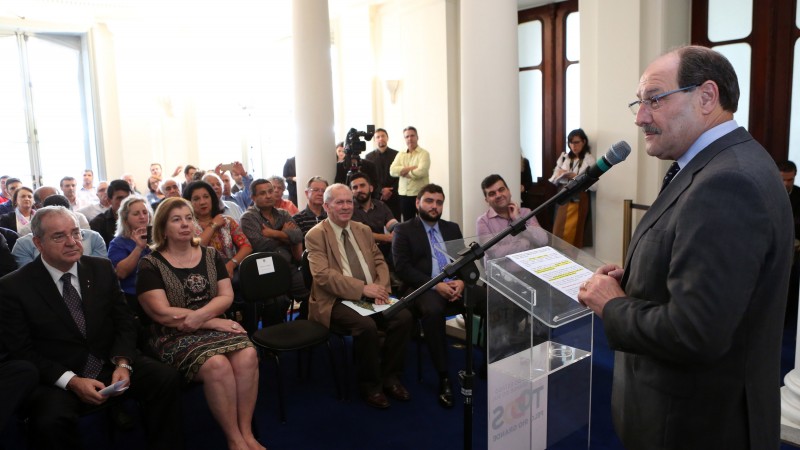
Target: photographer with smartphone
pixel 130 245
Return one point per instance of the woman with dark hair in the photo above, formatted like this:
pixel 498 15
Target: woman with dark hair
pixel 185 290
pixel 215 229
pixel 573 219
pixel 19 219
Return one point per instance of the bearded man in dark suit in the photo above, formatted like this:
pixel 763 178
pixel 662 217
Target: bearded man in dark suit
pixel 415 245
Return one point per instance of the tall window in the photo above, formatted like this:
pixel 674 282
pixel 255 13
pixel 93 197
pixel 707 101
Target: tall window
pixel 46 128
pixel 761 41
pixel 549 81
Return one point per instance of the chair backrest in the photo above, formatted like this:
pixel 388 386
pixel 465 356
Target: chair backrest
pixel 264 275
pixel 306 268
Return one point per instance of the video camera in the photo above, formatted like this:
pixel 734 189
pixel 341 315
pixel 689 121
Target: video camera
pixel 353 146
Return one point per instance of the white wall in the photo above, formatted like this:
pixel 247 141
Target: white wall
pixel 416 41
pixel 611 63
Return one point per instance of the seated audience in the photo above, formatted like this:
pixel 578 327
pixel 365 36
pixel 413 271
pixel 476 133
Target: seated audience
pixel 87 194
pixel 238 183
pixel 374 214
pixel 270 229
pixel 156 171
pixel 185 290
pixel 25 250
pixel 188 175
pixel 225 207
pixel 314 212
pixel 129 178
pixel 43 192
pixel 346 264
pixel 153 194
pixel 129 245
pixel 11 185
pixel 106 223
pixel 48 196
pixel 280 186
pixel 18 219
pixel 4 195
pixel 216 229
pixel 101 205
pixel 241 196
pixel 170 188
pixel 82 346
pixel 69 188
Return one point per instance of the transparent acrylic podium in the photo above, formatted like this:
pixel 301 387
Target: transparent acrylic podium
pixel 539 347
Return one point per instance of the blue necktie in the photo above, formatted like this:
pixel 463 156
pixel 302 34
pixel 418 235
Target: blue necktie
pixel 441 259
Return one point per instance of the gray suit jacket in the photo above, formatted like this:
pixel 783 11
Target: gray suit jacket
pixel 698 336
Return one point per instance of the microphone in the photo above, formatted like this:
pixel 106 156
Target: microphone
pixel 615 155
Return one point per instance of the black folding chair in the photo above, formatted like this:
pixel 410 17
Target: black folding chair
pixel 267 277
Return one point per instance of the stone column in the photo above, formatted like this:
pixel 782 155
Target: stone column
pixel 790 400
pixel 489 101
pixel 313 90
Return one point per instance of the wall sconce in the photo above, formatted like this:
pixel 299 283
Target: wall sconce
pixel 392 86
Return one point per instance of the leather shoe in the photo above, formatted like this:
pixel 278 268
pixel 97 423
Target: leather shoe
pixel 377 400
pixel 397 392
pixel 445 393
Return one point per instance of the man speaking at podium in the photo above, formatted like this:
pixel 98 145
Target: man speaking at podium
pixel 696 317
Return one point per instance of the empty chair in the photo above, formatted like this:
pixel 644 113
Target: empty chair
pixel 266 277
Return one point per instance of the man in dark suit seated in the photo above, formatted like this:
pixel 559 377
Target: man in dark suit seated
pixel 65 314
pixel 346 264
pixel 417 258
pixel 17 380
pixel 695 317
pixel 7 262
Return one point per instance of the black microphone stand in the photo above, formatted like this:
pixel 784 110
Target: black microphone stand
pixel 466 269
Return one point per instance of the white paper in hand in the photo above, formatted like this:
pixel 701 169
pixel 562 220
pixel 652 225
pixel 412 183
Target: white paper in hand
pixel 114 388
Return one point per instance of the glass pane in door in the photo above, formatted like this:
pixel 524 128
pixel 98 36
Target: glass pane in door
pixel 58 107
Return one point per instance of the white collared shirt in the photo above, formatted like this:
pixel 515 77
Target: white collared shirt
pixel 63 380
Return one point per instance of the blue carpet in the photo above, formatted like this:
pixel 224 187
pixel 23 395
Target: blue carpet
pixel 318 420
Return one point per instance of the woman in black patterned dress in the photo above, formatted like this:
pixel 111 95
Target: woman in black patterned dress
pixel 185 289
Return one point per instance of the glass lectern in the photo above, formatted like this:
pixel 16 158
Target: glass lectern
pixel 539 343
